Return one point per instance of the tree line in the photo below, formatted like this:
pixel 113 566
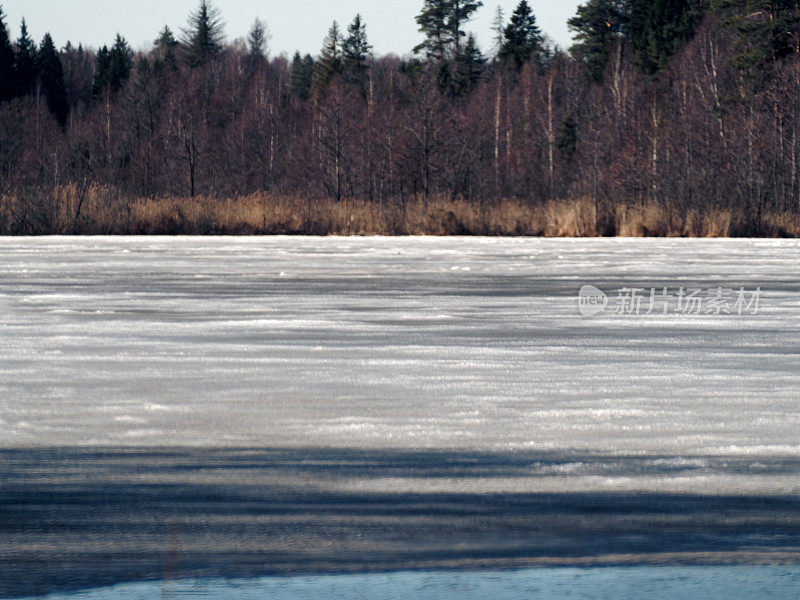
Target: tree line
pixel 672 103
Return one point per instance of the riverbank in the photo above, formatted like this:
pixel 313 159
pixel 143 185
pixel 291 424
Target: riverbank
pixel 97 210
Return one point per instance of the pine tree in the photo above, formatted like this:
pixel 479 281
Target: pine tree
pixel 121 63
pixel 522 38
pixel 7 79
pixel 302 76
pixel 203 36
pixel 25 63
pixel 51 78
pixel 355 51
pixel 114 66
pixel 469 68
pixel 659 28
pixel 442 22
pixel 767 31
pixel 164 50
pixel 330 61
pixel 598 24
pixel 101 72
pixel 432 21
pixel 461 13
pixel 258 39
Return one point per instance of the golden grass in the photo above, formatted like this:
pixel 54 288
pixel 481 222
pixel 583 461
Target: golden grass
pixel 265 214
pixel 95 209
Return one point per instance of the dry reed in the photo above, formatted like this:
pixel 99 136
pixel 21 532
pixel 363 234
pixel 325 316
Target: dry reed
pixel 94 209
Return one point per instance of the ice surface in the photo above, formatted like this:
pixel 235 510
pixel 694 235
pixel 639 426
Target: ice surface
pixel 621 583
pixel 394 343
pixel 294 405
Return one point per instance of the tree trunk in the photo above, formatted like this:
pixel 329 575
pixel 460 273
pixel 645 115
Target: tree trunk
pixel 497 112
pixel 654 152
pixel 551 137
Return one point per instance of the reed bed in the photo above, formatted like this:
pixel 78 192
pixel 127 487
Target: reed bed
pixel 98 210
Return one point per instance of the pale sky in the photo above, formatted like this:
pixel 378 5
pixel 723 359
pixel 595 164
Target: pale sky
pixel 295 24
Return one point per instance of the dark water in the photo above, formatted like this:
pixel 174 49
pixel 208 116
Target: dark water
pixel 619 583
pixel 93 518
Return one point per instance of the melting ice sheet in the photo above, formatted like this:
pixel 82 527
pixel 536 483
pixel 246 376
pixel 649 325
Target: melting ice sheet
pixel 394 343
pixel 277 404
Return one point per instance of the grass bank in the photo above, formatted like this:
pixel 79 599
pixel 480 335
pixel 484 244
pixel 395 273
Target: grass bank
pixel 96 210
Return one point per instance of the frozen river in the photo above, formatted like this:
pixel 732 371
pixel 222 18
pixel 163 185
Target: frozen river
pixel 275 405
pixel 407 343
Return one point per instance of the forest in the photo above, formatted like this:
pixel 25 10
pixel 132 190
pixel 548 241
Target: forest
pixel 664 118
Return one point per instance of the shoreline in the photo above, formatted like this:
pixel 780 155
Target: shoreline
pixel 98 210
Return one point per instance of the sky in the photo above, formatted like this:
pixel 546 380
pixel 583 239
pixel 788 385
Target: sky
pixel 294 24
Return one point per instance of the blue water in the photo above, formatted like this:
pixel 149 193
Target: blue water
pixel 613 583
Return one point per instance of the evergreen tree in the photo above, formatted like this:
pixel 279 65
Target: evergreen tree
pixel 444 77
pixel 121 63
pixel 659 28
pixel 413 68
pixel 432 21
pixel 101 72
pixel 114 66
pixel 442 22
pixel 258 39
pixel 257 47
pixel 461 13
pixel 355 51
pixel 498 30
pixel 164 50
pixel 7 79
pixel 302 76
pixel 767 31
pixel 204 34
pixel 25 63
pixel 79 69
pixel 522 38
pixel 51 78
pixel 330 61
pixel 567 141
pixel 598 24
pixel 469 68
